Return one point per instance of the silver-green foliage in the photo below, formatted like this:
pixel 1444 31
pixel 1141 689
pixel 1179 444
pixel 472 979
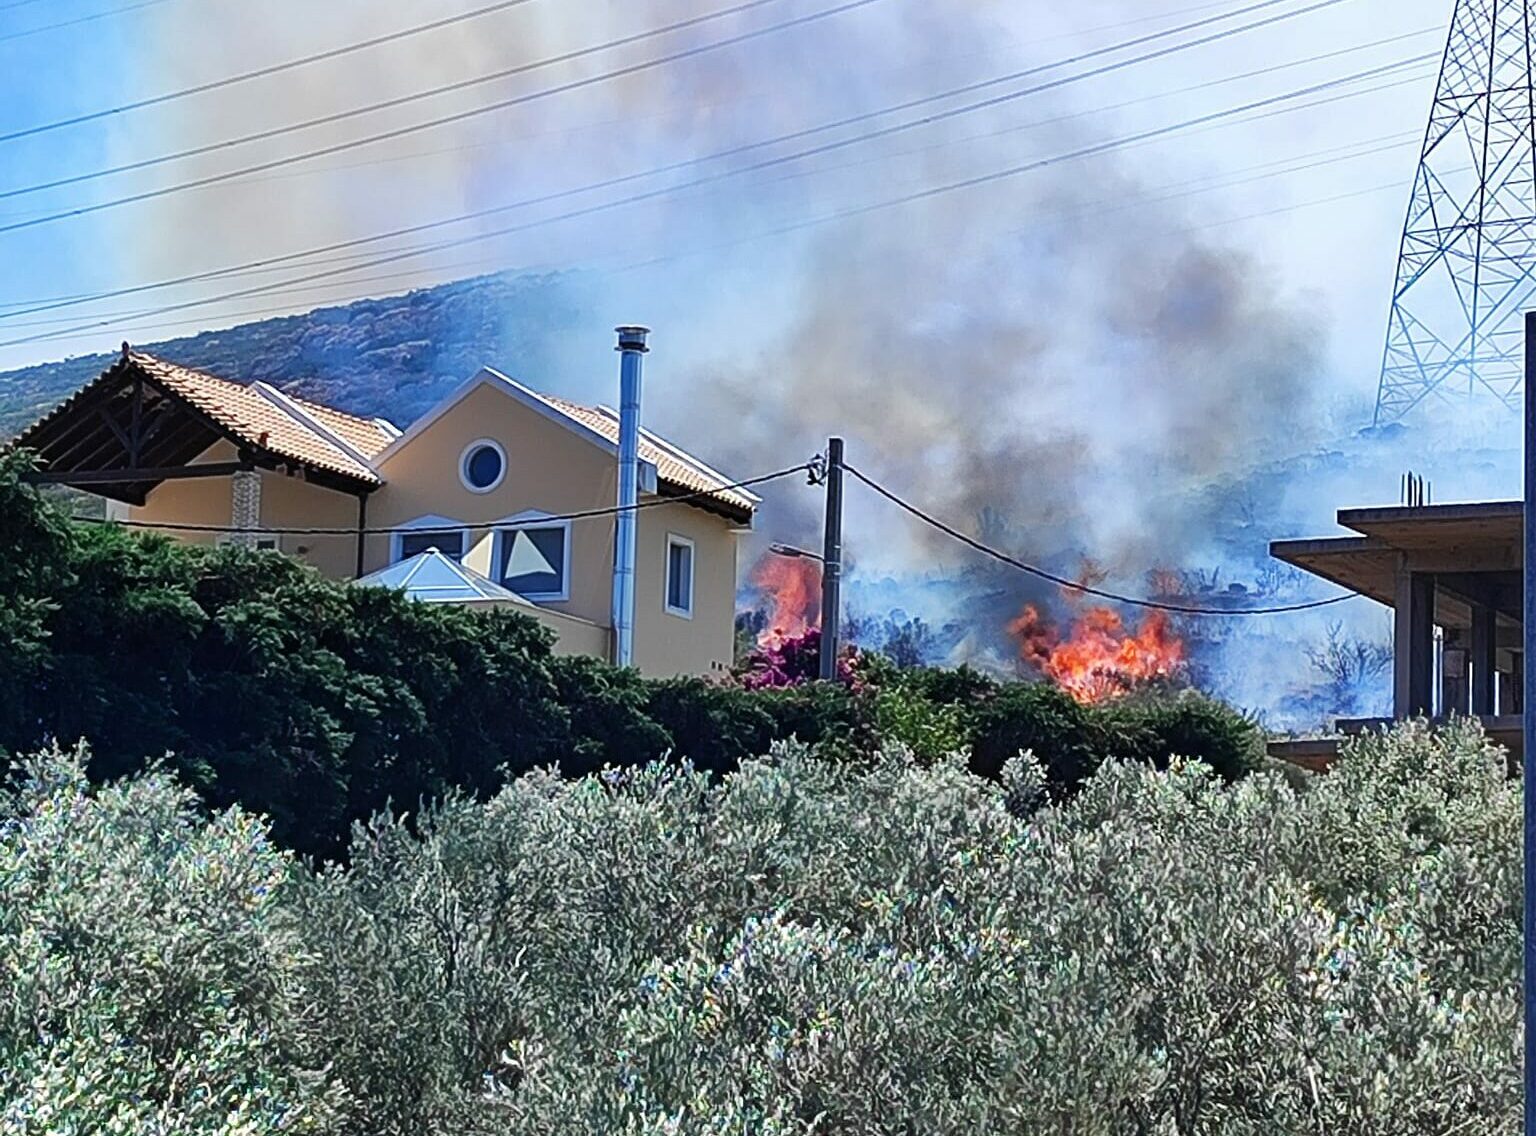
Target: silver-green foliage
pixel 810 947
pixel 147 987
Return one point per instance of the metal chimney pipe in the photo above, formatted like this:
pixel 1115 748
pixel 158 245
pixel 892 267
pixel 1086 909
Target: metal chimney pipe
pixel 631 348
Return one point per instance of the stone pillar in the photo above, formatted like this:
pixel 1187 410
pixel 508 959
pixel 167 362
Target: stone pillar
pixel 244 506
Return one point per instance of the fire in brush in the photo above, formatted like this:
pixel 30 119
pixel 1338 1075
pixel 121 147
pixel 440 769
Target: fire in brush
pixel 1101 657
pixel 792 588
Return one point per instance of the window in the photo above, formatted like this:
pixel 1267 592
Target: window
pixel 679 576
pixel 533 560
pixel 449 542
pixel 482 465
pixel 446 534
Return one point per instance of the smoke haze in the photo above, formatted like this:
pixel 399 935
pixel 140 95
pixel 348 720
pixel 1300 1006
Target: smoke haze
pixel 1072 362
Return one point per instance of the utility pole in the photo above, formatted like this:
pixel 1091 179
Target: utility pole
pixel 1528 721
pixel 832 562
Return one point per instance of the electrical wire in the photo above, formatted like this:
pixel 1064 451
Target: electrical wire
pixel 581 515
pixel 388 135
pixel 735 151
pixel 929 192
pixel 1076 585
pixel 121 11
pixel 448 119
pixel 259 73
pixel 388 104
pixel 1159 194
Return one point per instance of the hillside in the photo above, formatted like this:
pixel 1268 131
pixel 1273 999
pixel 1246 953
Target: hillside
pixel 393 356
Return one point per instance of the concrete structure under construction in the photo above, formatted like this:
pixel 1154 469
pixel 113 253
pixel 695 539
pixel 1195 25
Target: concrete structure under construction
pixel 1452 574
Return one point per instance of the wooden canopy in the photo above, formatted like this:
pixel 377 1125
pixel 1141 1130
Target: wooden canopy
pixel 143 422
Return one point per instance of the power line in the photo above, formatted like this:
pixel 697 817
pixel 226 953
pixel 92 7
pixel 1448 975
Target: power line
pixel 277 163
pixel 121 11
pixel 932 191
pixel 731 152
pixel 734 151
pixel 444 120
pixel 1159 194
pixel 387 104
pixel 1075 585
pixel 459 85
pixel 581 515
pixel 259 73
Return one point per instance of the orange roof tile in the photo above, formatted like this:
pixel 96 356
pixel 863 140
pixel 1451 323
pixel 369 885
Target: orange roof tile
pixel 673 465
pixel 304 432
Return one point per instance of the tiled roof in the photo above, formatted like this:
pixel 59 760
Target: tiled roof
pixel 304 432
pixel 681 470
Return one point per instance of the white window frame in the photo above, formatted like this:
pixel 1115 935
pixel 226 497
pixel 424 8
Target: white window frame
pixel 532 520
pixel 464 465
pixel 678 540
pixel 429 523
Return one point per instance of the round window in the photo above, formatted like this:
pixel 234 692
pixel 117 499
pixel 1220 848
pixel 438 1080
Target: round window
pixel 482 466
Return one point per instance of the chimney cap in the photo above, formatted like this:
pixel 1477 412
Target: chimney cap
pixel 632 337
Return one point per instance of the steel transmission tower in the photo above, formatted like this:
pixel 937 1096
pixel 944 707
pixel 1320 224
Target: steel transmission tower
pixel 1468 256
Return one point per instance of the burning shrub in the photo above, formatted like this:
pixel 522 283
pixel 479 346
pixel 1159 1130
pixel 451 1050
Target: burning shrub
pixel 1101 658
pixel 791 661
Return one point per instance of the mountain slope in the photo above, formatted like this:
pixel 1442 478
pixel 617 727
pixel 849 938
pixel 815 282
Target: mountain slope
pixel 393 356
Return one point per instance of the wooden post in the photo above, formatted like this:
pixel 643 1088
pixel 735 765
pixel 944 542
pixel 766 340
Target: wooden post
pixel 362 532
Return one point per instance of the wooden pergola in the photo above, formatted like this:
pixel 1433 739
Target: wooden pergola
pixel 129 430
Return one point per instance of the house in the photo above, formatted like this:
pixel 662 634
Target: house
pixel 1453 576
pixel 517 487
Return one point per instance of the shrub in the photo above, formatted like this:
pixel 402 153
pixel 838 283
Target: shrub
pixel 712 725
pixel 606 710
pixel 829 717
pixel 150 977
pixel 1039 718
pixel 802 946
pixel 1155 728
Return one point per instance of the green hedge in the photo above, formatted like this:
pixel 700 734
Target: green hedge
pixel 318 704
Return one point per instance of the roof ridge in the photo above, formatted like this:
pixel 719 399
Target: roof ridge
pixel 294 410
pixel 360 419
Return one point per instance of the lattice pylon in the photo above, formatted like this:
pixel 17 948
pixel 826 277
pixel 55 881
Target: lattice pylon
pixel 1467 268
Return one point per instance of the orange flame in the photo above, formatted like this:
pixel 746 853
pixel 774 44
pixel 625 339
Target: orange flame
pixel 793 588
pixel 1101 658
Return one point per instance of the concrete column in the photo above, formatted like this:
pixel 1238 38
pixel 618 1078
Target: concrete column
pixel 1413 661
pixel 1484 658
pixel 244 506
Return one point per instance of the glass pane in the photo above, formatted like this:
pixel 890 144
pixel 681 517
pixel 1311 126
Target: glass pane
pixel 679 577
pixel 533 561
pixel 450 544
pixel 483 467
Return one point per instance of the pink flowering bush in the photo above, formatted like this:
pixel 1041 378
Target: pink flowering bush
pixel 791 662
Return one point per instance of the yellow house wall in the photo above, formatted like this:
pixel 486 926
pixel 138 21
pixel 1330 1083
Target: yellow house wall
pixel 286 502
pixel 197 501
pixel 668 644
pixel 549 469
